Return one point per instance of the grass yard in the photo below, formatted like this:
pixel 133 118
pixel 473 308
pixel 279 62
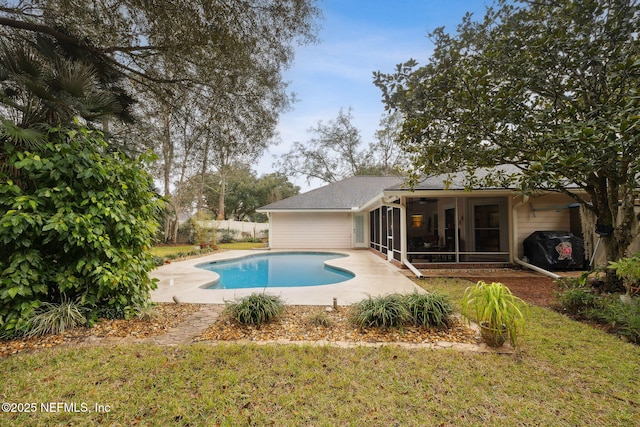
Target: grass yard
pixel 564 374
pixel 241 245
pixel 164 251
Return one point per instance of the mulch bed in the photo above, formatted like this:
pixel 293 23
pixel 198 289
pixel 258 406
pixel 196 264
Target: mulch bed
pixel 295 325
pixel 166 317
pixel 534 290
pixel 300 323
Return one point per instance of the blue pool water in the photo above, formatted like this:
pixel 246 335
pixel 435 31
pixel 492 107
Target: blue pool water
pixel 285 269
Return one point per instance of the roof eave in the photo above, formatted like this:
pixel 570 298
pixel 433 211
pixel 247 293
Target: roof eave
pixel 446 193
pixel 298 210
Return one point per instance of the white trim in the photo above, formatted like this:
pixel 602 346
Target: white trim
pixel 298 210
pixel 503 220
pixel 365 230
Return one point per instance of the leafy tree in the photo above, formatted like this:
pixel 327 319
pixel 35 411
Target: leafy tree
pixel 77 228
pixel 175 135
pixel 77 215
pixel 237 134
pixel 169 42
pixel 333 154
pixel 251 194
pixel 336 152
pixel 245 192
pixel 230 53
pixel 385 155
pixel 550 87
pixel 275 186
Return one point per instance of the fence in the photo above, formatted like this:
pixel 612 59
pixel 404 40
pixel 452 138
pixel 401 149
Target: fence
pixel 244 229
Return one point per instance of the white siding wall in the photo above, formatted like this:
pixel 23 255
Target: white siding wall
pixel 311 230
pixel 538 215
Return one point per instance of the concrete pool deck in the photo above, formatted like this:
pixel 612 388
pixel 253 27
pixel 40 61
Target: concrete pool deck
pixel 373 277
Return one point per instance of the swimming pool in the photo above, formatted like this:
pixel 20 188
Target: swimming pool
pixel 282 269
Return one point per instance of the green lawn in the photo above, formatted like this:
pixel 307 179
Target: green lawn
pixel 164 251
pixel 564 374
pixel 241 245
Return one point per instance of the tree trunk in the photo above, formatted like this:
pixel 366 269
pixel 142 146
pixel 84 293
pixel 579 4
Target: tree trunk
pixel 221 196
pixel 203 171
pixel 614 207
pixel 617 243
pixel 614 251
pixel 167 165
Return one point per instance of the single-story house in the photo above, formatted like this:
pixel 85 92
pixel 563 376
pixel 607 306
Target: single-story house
pixel 435 224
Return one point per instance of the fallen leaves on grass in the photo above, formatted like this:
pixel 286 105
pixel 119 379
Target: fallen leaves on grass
pixel 297 324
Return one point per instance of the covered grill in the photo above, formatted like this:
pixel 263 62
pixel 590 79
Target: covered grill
pixel 555 250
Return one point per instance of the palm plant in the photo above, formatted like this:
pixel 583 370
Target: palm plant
pixel 40 87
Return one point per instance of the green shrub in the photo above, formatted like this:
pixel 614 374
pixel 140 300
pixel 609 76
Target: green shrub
pixel 430 309
pixel 255 309
pixel 76 219
pixel 227 236
pixel 252 240
pixel 187 232
pixel 55 318
pixel 381 312
pixel 622 317
pixel 203 234
pixel 565 283
pixel 158 261
pixel 576 301
pixel 629 324
pixel 628 269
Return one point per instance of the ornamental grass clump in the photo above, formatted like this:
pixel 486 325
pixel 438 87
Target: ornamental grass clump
pixel 381 312
pixel 429 310
pixel 52 318
pixel 255 309
pixel 319 318
pixel 500 314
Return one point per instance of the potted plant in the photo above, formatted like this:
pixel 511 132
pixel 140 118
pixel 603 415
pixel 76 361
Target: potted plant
pixel 499 313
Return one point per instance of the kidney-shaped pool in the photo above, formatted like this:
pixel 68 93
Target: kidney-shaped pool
pixel 282 269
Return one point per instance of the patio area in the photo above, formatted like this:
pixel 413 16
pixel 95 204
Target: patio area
pixel 373 277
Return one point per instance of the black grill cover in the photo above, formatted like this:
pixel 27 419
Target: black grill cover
pixel 555 250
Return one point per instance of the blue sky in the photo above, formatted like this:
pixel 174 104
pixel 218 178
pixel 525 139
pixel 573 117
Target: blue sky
pixel 357 38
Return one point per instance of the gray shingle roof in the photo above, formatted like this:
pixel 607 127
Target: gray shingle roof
pixel 457 181
pixel 342 195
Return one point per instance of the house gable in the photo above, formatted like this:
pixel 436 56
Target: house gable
pixel 347 195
